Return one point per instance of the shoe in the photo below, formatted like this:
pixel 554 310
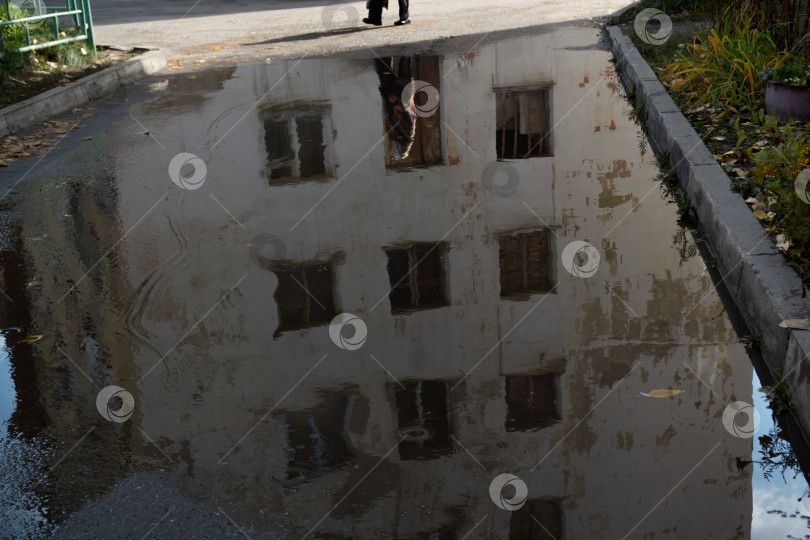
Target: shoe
pixel 375 23
pixel 403 22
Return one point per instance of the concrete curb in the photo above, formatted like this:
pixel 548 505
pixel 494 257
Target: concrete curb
pixel 765 289
pixel 64 98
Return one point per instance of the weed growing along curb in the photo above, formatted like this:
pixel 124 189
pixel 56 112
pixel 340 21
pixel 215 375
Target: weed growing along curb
pixel 23 68
pixel 712 76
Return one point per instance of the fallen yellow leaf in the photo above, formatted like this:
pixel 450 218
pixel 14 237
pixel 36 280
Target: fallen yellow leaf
pixel 760 214
pixel 662 393
pixel 31 339
pixel 87 139
pixel 798 324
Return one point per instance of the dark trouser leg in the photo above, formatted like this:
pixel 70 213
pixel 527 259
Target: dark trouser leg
pixel 375 11
pixel 403 10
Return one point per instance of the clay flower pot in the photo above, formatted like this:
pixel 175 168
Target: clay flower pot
pixel 787 101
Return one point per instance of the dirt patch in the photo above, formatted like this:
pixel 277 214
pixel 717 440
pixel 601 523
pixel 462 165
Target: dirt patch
pixel 26 84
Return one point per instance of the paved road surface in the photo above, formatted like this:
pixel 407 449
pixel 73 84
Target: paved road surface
pixel 283 28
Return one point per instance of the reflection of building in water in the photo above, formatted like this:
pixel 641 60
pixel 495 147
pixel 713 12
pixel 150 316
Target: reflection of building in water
pixel 523 122
pixel 62 226
pixel 411 115
pixel 298 144
pixel 417 276
pixel 515 367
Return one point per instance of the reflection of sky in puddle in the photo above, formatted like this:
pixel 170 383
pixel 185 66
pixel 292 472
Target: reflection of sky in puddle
pixel 7 393
pixel 774 494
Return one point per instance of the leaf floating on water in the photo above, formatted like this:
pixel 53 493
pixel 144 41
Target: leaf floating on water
pixel 32 283
pixel 142 133
pixel 87 139
pixel 797 324
pixel 662 393
pixel 31 339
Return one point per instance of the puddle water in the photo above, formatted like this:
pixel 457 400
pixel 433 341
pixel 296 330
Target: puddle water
pixel 320 303
pixel 781 502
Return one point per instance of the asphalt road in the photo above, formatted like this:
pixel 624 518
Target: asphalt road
pixel 250 29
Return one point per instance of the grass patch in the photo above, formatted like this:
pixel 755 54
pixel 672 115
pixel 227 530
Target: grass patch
pixel 722 67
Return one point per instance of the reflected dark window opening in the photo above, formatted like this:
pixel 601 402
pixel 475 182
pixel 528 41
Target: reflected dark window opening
pixel 414 134
pixel 526 263
pixel 531 402
pixel 423 419
pixel 417 276
pixel 538 520
pixel 305 295
pixel 522 119
pixel 318 440
pixel 299 145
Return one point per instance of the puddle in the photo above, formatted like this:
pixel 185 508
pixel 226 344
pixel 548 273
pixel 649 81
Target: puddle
pixel 322 304
pixel 781 502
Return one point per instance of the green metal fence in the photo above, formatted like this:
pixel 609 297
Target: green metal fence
pixel 34 14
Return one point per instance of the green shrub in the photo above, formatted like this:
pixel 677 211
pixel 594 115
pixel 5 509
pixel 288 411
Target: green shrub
pixel 723 67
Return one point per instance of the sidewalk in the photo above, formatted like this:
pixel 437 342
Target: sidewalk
pixel 249 29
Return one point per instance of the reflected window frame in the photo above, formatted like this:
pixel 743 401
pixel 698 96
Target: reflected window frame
pixel 410 285
pixel 527 287
pixel 507 100
pixel 540 392
pixel 284 161
pixel 429 128
pixel 315 441
pixel 315 310
pixel 424 423
pixel 538 519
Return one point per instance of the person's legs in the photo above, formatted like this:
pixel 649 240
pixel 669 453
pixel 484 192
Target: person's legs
pixel 374 12
pixel 403 10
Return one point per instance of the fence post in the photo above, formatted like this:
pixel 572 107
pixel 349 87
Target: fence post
pixel 88 24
